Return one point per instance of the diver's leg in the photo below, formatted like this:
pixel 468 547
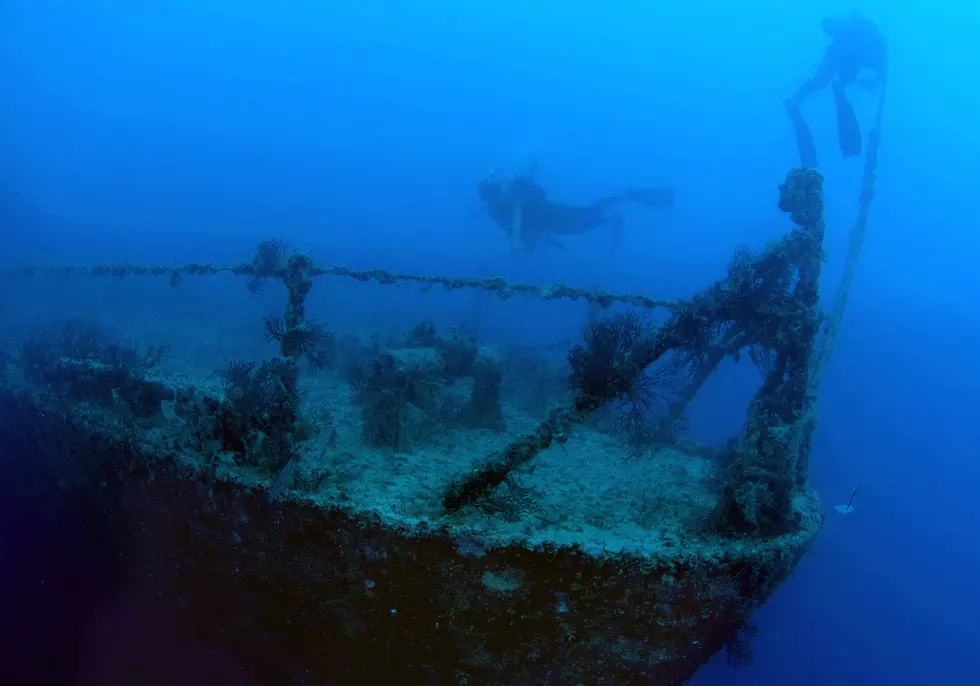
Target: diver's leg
pixel 846 75
pixel 825 73
pixel 656 197
pixel 808 88
pixel 804 138
pixel 603 205
pixel 597 214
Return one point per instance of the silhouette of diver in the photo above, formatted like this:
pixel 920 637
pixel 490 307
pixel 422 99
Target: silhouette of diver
pixel 856 44
pixel 520 206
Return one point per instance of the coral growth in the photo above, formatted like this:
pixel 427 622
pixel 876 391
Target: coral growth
pixel 767 300
pixel 88 364
pixel 268 259
pixel 308 339
pixel 612 358
pixel 770 466
pixel 260 419
pixel 613 346
pixel 418 374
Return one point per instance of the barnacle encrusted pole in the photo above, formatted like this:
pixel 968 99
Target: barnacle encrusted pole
pixel 298 282
pixel 770 301
pixel 836 317
pixel 296 272
pixel 773 462
pixel 296 337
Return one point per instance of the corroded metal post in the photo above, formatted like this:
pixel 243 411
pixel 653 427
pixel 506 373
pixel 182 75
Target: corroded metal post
pixel 763 479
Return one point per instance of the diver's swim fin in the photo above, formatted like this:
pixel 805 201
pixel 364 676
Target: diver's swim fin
pixel 848 129
pixel 804 139
pixel 652 197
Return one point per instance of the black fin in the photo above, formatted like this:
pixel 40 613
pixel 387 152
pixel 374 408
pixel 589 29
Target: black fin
pixel 804 139
pixel 848 129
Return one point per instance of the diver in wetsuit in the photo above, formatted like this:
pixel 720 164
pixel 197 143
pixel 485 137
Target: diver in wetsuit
pixel 856 44
pixel 520 206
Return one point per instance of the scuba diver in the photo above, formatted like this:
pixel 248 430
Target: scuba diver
pixel 520 207
pixel 856 44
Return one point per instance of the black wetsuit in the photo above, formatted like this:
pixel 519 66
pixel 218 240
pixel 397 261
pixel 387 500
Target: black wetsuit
pixel 539 218
pixel 857 44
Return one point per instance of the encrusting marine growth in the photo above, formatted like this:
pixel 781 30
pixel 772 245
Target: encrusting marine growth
pixel 362 512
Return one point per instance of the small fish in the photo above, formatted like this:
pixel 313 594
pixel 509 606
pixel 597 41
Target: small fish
pixel 282 479
pixel 849 508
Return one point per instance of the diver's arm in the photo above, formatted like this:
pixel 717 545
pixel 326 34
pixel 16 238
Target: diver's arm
pixel 876 60
pixel 872 83
pixel 880 69
pixel 820 80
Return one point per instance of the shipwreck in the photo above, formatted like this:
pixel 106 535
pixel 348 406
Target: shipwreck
pixel 440 532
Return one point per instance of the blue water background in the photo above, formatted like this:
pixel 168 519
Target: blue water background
pixel 188 131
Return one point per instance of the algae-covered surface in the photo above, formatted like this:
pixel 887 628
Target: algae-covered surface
pixel 421 507
pixel 591 564
pixel 589 492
